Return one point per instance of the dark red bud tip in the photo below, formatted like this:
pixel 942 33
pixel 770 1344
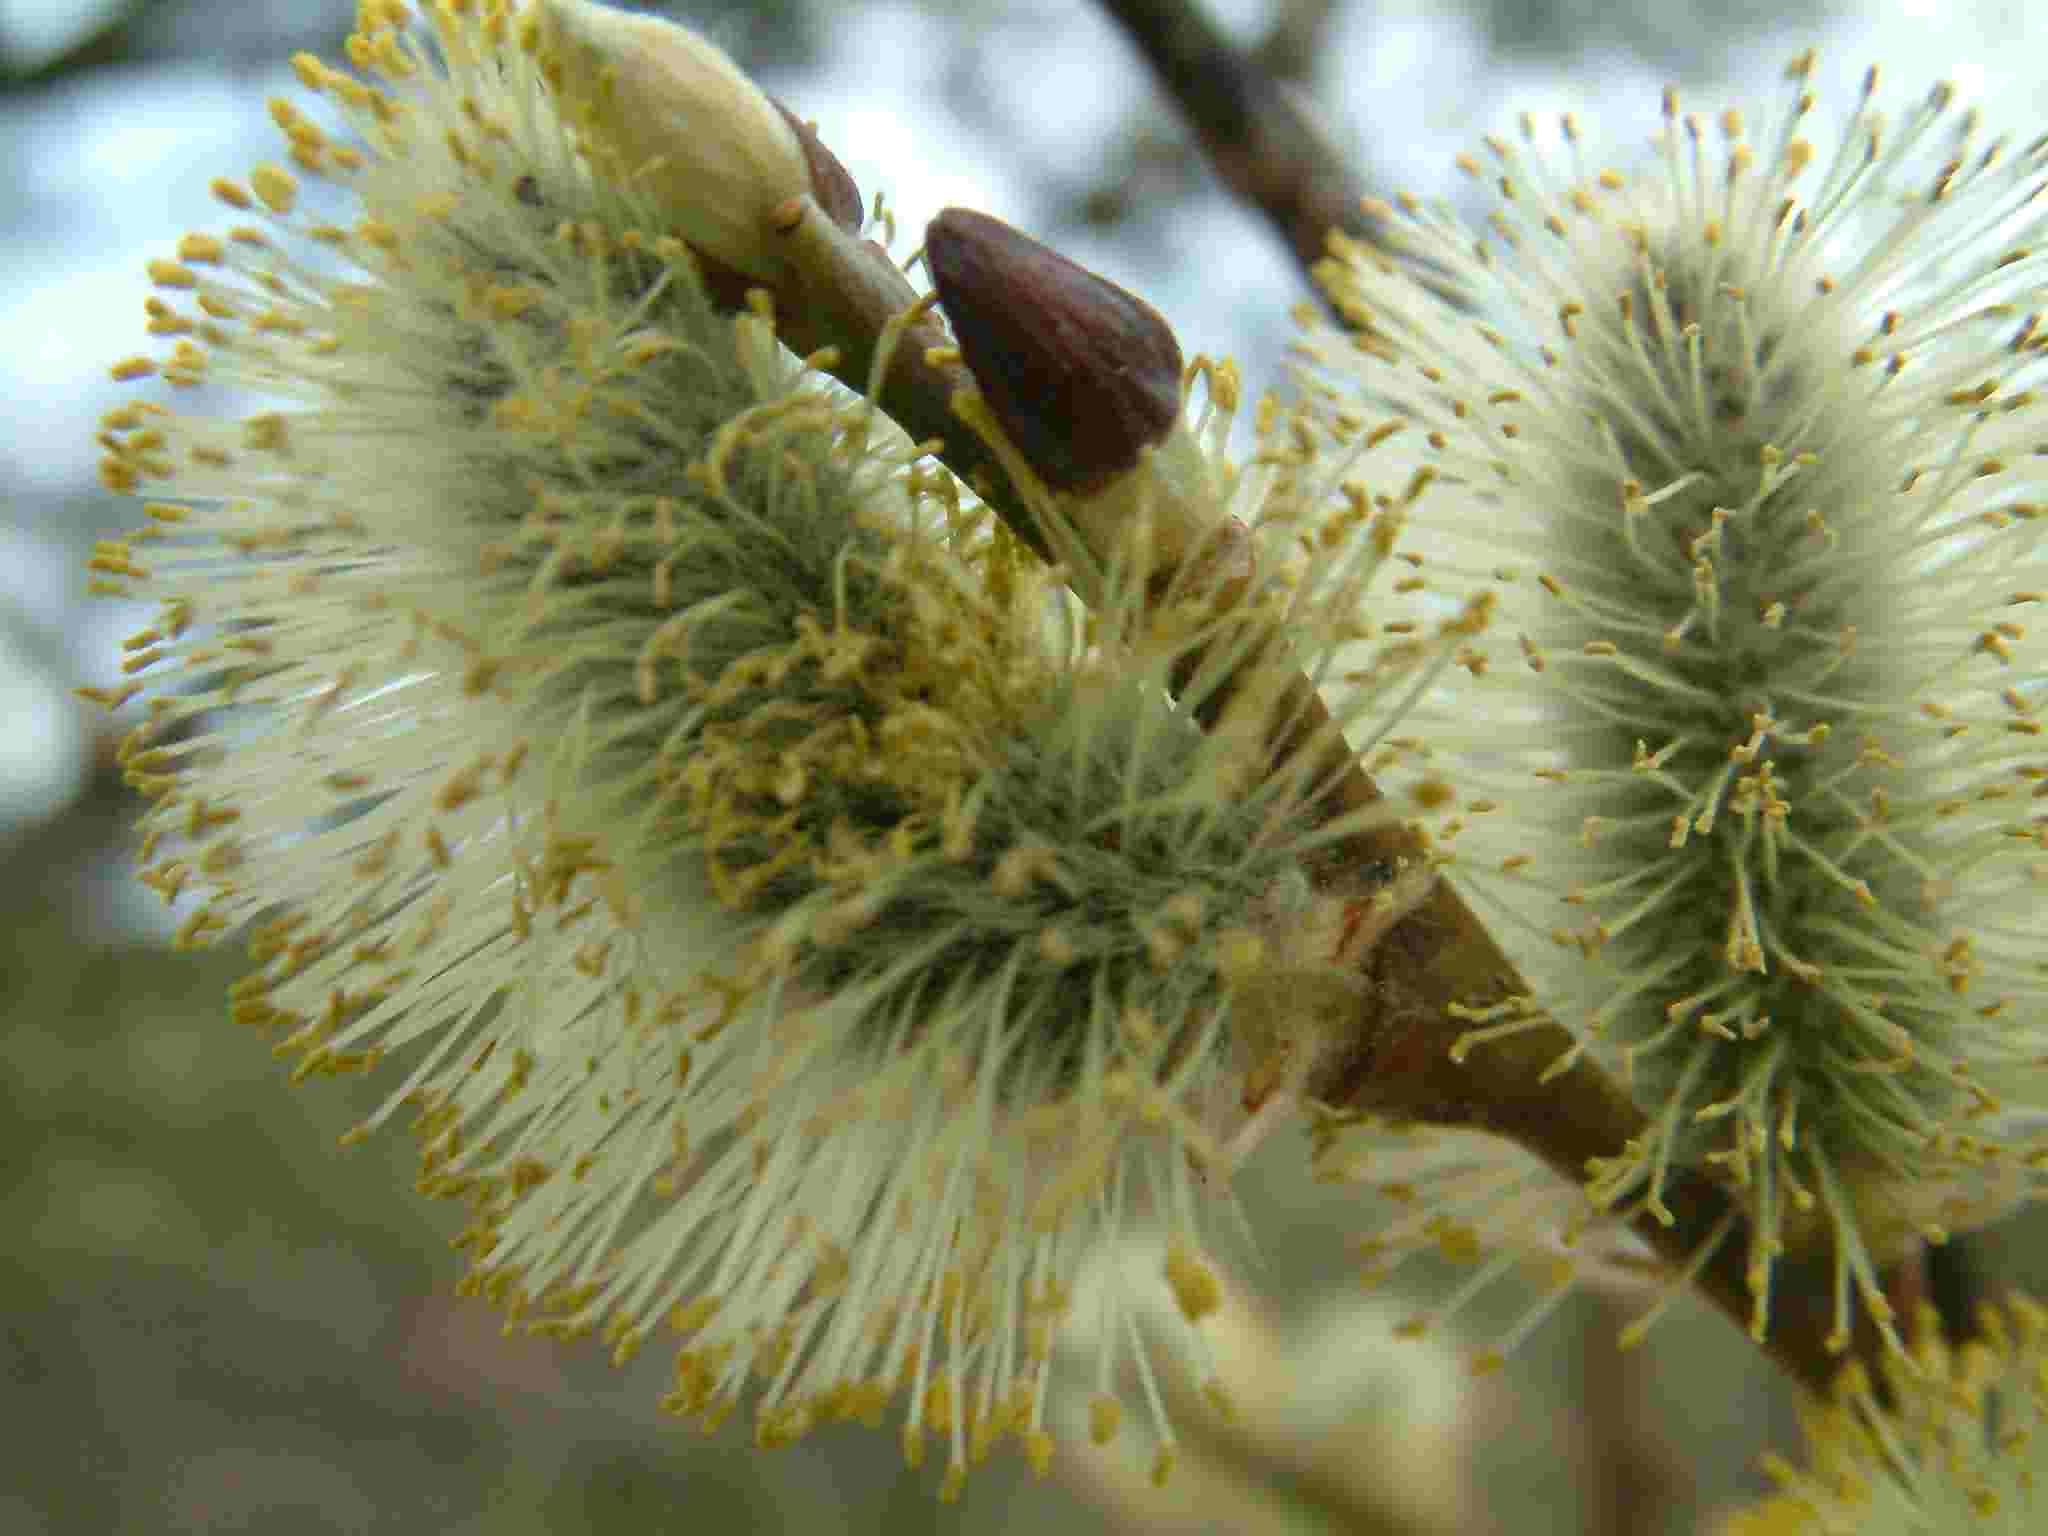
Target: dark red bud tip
pixel 1082 375
pixel 831 183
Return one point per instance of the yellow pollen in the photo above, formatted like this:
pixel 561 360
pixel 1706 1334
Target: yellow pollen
pixel 275 186
pixel 1194 1284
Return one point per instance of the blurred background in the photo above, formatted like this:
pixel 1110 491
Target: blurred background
pixel 214 1320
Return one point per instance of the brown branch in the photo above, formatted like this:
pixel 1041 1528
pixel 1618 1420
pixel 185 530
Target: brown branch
pixel 1263 146
pixel 1399 1063
pixel 1633 1479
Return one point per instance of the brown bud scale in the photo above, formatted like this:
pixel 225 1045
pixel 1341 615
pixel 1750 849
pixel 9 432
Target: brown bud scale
pixel 1082 375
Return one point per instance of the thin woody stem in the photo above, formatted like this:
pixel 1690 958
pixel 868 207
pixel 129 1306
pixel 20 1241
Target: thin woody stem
pixel 850 299
pixel 1262 145
pixel 1399 1062
pixel 848 302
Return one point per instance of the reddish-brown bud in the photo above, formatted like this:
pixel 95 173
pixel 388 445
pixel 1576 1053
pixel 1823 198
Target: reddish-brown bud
pixel 1082 375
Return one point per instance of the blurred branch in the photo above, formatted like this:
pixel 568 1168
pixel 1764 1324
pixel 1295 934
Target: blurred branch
pixel 1264 146
pixel 1288 50
pixel 1634 1478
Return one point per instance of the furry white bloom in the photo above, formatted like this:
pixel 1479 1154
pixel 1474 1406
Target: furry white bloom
pixel 795 926
pixel 1752 444
pixel 1956 1446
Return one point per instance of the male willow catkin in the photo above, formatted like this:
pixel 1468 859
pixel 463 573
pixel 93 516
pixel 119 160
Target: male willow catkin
pixel 793 926
pixel 1751 447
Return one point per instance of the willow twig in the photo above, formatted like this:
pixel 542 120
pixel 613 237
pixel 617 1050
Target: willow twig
pixel 1265 149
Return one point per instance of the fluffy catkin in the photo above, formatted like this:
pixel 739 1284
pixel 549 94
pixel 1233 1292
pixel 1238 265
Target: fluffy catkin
pixel 1752 781
pixel 791 924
